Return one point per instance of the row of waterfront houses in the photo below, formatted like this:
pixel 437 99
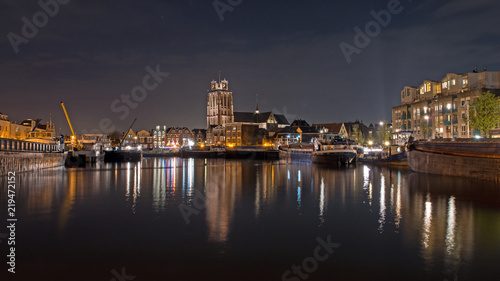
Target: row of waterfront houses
pixel 253 130
pixel 162 137
pixel 248 134
pixel 440 109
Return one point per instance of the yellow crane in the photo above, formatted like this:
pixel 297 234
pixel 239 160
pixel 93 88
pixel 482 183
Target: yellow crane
pixel 74 140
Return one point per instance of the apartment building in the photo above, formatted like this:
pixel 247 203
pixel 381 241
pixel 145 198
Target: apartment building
pixel 439 109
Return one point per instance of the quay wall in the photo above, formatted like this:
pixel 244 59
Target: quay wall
pixel 28 161
pixel 22 156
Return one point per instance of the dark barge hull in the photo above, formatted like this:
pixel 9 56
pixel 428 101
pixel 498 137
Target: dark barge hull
pixel 201 154
pixel 252 154
pixel 400 159
pixel 122 156
pixel 475 159
pixel 334 158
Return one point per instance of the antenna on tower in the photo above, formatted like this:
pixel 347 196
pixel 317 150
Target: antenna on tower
pixel 219 75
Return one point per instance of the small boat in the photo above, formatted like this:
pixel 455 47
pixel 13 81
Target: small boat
pixel 335 155
pixel 298 152
pixel 464 157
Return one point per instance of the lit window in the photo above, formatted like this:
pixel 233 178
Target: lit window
pixel 453 82
pixel 445 85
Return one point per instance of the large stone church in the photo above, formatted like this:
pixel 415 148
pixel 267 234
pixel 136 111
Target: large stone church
pixel 220 114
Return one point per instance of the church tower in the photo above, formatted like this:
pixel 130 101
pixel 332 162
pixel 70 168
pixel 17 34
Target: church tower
pixel 219 104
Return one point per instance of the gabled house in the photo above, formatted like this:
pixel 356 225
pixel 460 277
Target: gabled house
pixel 333 130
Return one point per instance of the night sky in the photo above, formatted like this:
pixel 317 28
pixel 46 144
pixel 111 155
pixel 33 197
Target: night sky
pixel 288 52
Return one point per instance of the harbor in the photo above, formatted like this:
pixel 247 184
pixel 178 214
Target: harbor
pixel 250 140
pixel 427 225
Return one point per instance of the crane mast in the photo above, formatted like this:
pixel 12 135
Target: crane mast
pixel 71 127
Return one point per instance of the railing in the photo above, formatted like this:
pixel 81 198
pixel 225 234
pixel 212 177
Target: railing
pixel 26 146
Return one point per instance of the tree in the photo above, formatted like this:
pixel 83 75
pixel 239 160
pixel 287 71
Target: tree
pixel 115 138
pixel 358 135
pixel 384 134
pixel 484 114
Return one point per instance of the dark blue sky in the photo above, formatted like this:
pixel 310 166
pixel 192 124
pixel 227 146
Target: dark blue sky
pixel 288 52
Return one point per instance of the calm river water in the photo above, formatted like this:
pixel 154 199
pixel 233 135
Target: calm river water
pixel 216 219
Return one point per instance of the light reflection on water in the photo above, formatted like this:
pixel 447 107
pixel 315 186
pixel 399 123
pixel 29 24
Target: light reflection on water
pixel 381 220
pixel 434 223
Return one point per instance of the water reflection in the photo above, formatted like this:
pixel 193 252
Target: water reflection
pixel 222 190
pixel 426 229
pixel 67 205
pixel 442 221
pixel 322 202
pixel 450 229
pixel 133 185
pixel 381 220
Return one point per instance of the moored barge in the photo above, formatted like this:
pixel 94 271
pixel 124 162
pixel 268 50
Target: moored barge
pixel 466 157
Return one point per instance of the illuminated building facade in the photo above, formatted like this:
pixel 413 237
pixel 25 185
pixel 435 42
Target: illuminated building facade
pixel 439 109
pixel 219 104
pixel 219 111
